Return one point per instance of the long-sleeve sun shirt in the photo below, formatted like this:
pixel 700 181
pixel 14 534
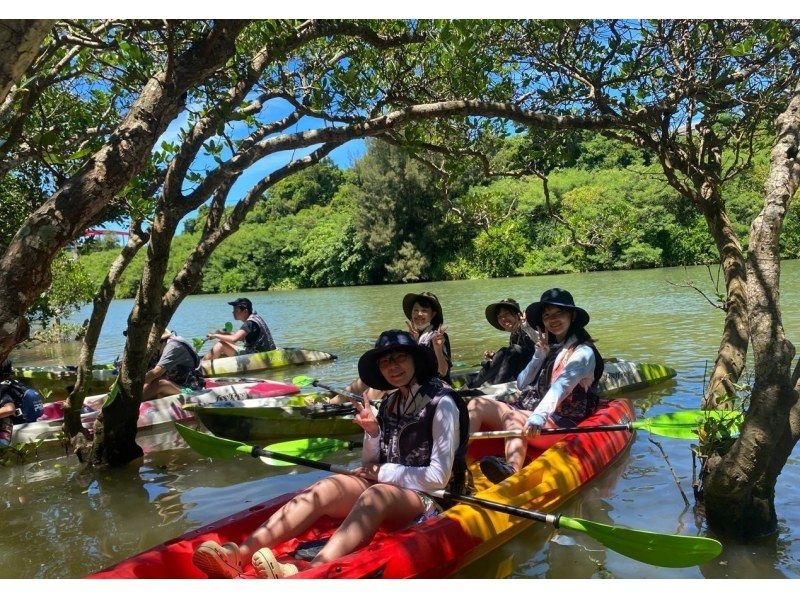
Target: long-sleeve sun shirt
pixel 443 449
pixel 579 369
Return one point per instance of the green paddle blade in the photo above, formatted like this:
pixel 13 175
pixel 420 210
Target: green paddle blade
pixel 685 424
pixel 209 445
pixel 308 448
pixel 302 381
pixel 661 550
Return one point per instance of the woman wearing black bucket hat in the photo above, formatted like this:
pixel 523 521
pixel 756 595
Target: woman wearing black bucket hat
pixel 507 362
pixel 559 384
pixel 425 321
pixel 415 443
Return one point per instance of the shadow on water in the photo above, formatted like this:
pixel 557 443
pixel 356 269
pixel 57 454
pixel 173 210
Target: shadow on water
pixel 59 523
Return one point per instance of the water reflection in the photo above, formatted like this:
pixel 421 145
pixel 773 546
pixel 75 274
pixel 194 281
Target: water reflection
pixel 58 523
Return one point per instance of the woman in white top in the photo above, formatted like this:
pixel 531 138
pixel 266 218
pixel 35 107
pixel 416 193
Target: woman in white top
pixel 415 443
pixel 559 384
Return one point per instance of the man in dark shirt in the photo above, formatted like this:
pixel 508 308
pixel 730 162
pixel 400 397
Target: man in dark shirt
pixel 254 332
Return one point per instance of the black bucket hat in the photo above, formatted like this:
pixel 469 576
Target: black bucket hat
pixel 494 308
pixel 411 298
pixel 558 298
pixel 395 340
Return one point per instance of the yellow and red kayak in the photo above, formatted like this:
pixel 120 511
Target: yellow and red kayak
pixel 434 548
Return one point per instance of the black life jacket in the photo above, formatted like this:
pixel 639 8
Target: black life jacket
pixel 407 438
pixel 264 341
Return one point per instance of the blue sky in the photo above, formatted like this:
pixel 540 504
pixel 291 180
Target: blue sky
pixel 343 156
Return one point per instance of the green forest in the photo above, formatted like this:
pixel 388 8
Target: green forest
pixel 388 219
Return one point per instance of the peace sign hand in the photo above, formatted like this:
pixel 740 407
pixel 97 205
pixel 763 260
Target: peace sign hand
pixel 365 417
pixel 412 331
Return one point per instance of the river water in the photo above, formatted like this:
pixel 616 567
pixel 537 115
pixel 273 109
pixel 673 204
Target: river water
pixel 59 522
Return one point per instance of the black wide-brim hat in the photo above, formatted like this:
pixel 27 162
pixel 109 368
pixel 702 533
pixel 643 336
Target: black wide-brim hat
pixel 411 298
pixel 558 298
pixel 494 308
pixel 425 363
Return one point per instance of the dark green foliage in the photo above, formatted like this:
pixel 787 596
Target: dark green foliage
pixel 385 220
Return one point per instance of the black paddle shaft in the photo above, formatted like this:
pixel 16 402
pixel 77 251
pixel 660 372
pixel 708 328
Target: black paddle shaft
pixel 494 506
pixel 261 452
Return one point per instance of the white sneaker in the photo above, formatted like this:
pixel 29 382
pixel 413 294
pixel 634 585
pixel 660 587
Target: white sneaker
pixel 268 567
pixel 218 561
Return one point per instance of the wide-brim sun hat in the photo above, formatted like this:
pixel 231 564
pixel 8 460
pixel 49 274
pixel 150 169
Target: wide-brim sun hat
pixel 493 309
pixel 395 340
pixel 411 298
pixel 558 298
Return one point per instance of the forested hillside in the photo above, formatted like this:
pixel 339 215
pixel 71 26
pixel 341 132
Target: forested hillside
pixel 389 219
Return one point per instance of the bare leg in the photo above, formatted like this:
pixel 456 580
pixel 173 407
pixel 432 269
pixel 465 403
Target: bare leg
pixel 220 349
pixel 378 504
pixel 158 389
pixel 496 415
pixel 333 496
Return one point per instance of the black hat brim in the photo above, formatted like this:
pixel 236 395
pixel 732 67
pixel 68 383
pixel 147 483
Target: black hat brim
pixel 533 313
pixel 411 298
pixel 424 364
pixel 493 309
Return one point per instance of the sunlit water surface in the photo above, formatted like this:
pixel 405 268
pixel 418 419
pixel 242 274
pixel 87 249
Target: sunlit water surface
pixel 60 522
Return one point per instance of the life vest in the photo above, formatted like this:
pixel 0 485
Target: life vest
pixel 264 341
pixel 577 405
pixel 183 375
pixel 27 401
pixel 407 438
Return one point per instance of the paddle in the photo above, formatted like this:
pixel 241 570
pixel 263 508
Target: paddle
pixel 679 424
pixel 663 550
pixel 302 381
pixel 309 381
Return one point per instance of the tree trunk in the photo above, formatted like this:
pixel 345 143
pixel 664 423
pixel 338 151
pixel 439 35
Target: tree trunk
pixel 116 444
pixel 20 40
pixel 25 266
pixel 732 354
pixel 739 488
pixel 73 404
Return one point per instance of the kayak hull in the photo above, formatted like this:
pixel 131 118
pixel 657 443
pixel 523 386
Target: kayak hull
pixel 151 413
pixel 255 420
pixel 55 381
pixel 619 378
pixel 266 360
pixel 286 422
pixel 435 548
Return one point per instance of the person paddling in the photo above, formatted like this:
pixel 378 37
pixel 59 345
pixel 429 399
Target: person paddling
pixel 506 363
pixel 414 443
pixel 559 384
pixel 254 333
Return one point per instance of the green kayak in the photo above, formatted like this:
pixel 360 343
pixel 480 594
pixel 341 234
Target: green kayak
pixel 308 416
pixel 55 381
pixel 266 360
pixel 275 419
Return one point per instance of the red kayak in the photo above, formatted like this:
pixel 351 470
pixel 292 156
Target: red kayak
pixel 433 549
